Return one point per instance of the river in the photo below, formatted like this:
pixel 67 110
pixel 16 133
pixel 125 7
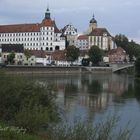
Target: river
pixel 93 97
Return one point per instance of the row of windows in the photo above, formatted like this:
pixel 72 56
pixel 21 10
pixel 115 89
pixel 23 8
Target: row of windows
pixel 37 44
pixel 25 39
pixel 83 43
pixel 70 33
pixel 47 33
pixel 47 28
pixel 19 34
pixel 47 49
pixel 25 34
pixel 83 40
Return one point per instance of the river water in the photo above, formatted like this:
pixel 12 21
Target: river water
pixel 93 97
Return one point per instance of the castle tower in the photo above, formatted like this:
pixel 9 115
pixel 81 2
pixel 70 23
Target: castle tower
pixel 92 24
pixel 47 14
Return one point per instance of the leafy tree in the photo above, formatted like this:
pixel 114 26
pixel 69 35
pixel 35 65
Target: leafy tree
pixel 95 55
pixel 121 40
pixel 72 53
pixel 131 48
pixel 27 53
pixel 10 58
pixel 137 67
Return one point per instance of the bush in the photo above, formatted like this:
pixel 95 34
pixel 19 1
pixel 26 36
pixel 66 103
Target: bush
pixel 137 67
pixel 26 103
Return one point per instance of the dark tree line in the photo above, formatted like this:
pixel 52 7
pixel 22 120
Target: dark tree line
pixel 131 47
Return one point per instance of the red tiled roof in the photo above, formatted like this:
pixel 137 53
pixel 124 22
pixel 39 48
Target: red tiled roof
pixel 19 28
pixel 47 22
pixel 99 32
pixel 28 27
pixel 59 55
pixel 56 30
pixel 114 51
pixel 83 37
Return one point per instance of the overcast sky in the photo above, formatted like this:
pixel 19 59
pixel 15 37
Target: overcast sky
pixel 118 16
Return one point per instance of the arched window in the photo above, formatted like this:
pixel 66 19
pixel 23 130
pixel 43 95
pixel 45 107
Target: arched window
pixel 51 49
pixel 57 47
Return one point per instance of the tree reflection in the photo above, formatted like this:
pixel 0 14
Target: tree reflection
pixel 95 87
pixel 70 89
pixel 137 89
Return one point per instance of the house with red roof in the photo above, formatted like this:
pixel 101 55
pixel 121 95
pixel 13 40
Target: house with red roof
pixel 118 55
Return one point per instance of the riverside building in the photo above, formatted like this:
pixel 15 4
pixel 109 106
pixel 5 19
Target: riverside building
pixel 39 36
pixel 100 36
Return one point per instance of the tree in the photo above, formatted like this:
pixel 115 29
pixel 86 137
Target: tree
pixel 27 53
pixel 95 55
pixel 10 58
pixel 72 53
pixel 137 67
pixel 121 40
pixel 131 48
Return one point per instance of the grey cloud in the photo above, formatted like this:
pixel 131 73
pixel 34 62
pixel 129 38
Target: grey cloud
pixel 118 16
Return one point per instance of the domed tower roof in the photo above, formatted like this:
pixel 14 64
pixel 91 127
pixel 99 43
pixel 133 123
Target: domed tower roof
pixel 48 14
pixel 93 20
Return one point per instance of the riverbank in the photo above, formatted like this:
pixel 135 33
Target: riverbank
pixel 54 69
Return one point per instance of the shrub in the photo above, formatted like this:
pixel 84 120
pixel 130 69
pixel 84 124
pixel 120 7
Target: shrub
pixel 26 103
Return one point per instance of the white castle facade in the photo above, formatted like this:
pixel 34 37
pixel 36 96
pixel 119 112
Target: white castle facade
pixel 39 36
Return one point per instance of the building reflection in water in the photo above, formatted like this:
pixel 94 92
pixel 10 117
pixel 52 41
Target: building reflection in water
pixel 89 93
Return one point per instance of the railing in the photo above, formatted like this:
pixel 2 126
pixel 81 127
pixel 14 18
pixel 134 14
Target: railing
pixel 118 67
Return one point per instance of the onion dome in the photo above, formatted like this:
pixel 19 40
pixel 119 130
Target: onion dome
pixel 93 20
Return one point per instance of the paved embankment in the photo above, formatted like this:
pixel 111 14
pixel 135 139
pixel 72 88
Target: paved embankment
pixel 54 69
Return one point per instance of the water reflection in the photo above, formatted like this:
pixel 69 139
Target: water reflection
pixel 137 89
pixel 93 93
pixel 91 96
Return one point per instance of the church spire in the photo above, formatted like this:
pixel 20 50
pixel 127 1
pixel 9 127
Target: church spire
pixel 93 20
pixel 48 14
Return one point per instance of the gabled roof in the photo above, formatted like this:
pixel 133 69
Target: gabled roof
pixel 38 53
pixel 16 28
pixel 114 51
pixel 65 28
pixel 19 28
pixel 56 30
pixel 99 32
pixel 82 37
pixel 59 55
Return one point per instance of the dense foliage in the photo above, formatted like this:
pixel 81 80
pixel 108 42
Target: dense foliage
pixel 10 58
pixel 95 55
pixel 26 103
pixel 137 66
pixel 27 53
pixel 72 53
pixel 131 48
